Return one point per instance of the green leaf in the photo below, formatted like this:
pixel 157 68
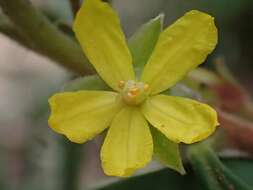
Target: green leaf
pixel 212 173
pixel 167 179
pixel 143 41
pixel 160 180
pixel 92 82
pixel 241 167
pixel 167 151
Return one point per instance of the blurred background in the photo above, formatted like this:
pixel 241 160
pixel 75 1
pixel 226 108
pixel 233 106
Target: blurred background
pixel 31 155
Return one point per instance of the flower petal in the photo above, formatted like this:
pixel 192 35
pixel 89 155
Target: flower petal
pixel 128 144
pixel 82 115
pixel 181 47
pixel 180 119
pixel 98 30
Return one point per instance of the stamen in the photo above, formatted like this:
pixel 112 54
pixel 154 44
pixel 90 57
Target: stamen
pixel 121 84
pixel 130 95
pixel 146 87
pixel 134 91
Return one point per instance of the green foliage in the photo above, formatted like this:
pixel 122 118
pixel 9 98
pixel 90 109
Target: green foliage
pixel 159 180
pixel 143 41
pixel 241 167
pixel 168 179
pixel 93 82
pixel 211 172
pixel 167 151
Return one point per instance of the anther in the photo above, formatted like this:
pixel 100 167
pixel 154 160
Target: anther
pixel 134 91
pixel 121 84
pixel 130 95
pixel 146 87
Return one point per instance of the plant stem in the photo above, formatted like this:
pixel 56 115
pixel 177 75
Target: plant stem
pixel 72 157
pixel 46 38
pixel 8 29
pixel 211 171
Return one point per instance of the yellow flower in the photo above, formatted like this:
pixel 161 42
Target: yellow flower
pixel 135 102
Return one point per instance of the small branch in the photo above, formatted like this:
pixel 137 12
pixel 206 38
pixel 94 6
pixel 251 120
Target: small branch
pixel 75 5
pixel 46 38
pixel 9 30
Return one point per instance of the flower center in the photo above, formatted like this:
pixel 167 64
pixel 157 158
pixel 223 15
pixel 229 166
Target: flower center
pixel 133 92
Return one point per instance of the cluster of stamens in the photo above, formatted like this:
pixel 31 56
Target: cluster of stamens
pixel 133 92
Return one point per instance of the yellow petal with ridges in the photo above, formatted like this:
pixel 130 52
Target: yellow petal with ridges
pixel 180 119
pixel 128 145
pixel 180 48
pixel 82 115
pixel 97 28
